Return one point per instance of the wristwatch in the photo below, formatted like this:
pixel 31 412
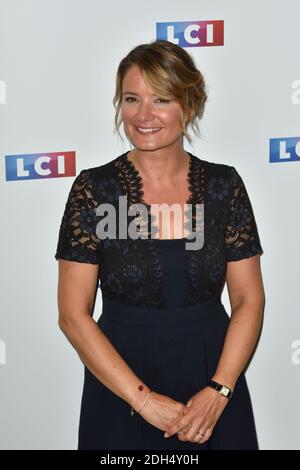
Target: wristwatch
pixel 226 391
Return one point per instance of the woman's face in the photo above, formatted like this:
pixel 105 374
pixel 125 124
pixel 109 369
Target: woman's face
pixel 141 108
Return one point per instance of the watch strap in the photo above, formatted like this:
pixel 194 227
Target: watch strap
pixel 221 388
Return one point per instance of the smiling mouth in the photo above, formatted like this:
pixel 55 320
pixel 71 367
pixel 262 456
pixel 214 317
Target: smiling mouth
pixel 148 130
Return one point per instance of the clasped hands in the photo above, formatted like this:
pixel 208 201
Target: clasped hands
pixel 193 422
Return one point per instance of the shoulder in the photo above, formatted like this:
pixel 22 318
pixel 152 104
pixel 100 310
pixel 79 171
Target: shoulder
pixel 101 180
pixel 219 181
pixel 99 172
pixel 217 170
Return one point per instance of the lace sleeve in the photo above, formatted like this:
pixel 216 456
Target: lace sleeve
pixel 77 239
pixel 241 233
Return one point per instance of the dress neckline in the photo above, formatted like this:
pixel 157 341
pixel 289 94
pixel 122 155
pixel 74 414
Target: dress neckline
pixel 141 185
pixel 132 183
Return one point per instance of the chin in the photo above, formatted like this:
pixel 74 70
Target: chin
pixel 149 147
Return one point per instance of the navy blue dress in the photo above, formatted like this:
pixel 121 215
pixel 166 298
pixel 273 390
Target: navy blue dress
pixel 161 302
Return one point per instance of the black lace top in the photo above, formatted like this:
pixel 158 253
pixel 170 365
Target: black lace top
pixel 147 271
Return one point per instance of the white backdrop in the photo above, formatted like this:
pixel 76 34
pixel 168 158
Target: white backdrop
pixel 58 61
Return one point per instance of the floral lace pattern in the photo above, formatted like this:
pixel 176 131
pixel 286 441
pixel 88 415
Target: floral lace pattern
pixel 241 237
pixel 77 239
pixel 132 185
pixel 135 271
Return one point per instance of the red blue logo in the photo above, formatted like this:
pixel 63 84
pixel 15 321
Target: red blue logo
pixel 285 149
pixel 40 165
pixel 192 33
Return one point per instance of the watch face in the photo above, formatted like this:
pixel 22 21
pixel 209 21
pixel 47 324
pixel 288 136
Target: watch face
pixel 225 391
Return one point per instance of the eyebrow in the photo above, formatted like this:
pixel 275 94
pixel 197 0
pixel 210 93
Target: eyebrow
pixel 132 93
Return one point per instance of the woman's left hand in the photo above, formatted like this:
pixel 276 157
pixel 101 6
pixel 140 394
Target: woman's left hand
pixel 197 423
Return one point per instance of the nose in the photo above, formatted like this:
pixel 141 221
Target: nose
pixel 145 111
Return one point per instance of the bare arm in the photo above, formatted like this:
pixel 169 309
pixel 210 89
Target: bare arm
pixel 246 294
pixel 77 287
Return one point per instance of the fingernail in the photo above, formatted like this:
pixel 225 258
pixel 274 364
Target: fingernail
pixel 166 434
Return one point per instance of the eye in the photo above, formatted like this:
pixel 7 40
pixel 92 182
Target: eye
pixel 132 98
pixel 129 98
pixel 163 101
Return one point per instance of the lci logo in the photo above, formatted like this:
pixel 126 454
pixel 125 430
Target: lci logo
pixel 285 149
pixel 40 165
pixel 192 33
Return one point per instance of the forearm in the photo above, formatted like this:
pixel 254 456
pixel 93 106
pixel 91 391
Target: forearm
pixel 103 360
pixel 240 340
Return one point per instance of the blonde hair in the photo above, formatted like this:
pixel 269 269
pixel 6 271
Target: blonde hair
pixel 172 74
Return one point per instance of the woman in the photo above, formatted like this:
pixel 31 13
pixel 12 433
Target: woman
pixel 164 364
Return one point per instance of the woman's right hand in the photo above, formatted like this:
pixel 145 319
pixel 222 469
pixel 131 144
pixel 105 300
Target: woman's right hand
pixel 160 410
